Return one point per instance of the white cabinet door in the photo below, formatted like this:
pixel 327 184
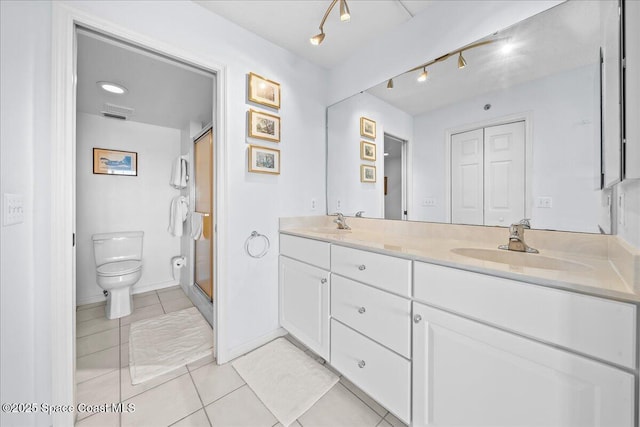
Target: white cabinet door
pixel 469 374
pixel 504 186
pixel 467 178
pixel 304 304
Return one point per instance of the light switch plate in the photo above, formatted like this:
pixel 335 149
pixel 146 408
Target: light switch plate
pixel 13 209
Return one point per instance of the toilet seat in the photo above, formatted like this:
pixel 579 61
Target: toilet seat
pixel 119 268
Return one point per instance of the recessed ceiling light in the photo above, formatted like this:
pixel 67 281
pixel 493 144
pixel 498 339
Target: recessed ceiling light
pixel 112 88
pixel 507 47
pixel 386 154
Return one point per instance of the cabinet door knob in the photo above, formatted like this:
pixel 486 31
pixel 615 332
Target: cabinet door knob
pixel 417 318
pixel 362 267
pixel 361 310
pixel 323 281
pixel 361 364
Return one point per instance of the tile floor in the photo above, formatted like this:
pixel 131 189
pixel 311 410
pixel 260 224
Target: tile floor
pixel 200 394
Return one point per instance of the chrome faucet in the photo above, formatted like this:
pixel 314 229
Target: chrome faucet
pixel 341 221
pixel 516 238
pixel 359 214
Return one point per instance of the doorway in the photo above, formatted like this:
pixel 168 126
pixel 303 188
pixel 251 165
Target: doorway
pixel 395 182
pixel 488 175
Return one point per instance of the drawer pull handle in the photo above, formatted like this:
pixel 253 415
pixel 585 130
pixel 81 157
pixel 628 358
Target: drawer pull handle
pixel 361 364
pixel 361 310
pixel 362 267
pixel 417 318
pixel 323 281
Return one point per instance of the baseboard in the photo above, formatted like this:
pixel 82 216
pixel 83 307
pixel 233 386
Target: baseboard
pixel 154 286
pixel 253 344
pixel 136 290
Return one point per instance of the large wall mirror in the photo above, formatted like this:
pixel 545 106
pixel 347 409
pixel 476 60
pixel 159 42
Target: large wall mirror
pixel 525 123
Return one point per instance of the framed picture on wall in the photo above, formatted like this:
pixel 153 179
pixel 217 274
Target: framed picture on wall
pixel 264 160
pixel 368 151
pixel 367 128
pixel 367 173
pixel 115 162
pixel 264 126
pixel 263 91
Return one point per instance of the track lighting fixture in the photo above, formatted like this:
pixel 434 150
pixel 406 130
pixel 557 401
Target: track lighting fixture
pixel 461 61
pixel 390 84
pixel 345 16
pixel 423 75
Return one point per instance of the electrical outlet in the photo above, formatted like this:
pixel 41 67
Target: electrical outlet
pixel 314 204
pixel 429 201
pixel 13 211
pixel 621 213
pixel 544 202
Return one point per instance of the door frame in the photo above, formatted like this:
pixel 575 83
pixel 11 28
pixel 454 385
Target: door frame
pixel 63 155
pixel 527 118
pixel 404 169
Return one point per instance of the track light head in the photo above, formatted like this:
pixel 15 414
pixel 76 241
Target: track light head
pixel 317 39
pixel 345 16
pixel 390 84
pixel 461 61
pixel 423 75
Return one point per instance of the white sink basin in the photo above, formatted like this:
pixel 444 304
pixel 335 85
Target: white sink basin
pixel 521 259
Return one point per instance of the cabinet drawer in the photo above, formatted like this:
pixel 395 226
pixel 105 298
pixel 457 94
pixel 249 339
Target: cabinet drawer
pixel 310 251
pixel 383 317
pixel 383 271
pixel 379 372
pixel 595 326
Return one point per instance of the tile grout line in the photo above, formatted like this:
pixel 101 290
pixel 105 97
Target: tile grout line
pixel 120 370
pixel 199 397
pixel 104 349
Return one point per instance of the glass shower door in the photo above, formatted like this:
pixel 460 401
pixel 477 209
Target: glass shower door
pixel 203 171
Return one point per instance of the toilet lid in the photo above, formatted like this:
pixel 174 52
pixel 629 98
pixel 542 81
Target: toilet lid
pixel 119 268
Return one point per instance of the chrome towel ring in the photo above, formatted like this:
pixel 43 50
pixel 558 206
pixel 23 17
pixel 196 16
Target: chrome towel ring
pixel 267 245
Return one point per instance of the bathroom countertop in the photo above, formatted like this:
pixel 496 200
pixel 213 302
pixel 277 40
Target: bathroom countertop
pixel 596 274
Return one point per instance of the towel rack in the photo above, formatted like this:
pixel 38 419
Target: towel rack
pixel 267 244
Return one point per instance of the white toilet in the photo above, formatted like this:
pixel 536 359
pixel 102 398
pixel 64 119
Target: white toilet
pixel 118 267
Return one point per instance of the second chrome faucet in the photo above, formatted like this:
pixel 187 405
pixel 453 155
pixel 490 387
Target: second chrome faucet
pixel 516 238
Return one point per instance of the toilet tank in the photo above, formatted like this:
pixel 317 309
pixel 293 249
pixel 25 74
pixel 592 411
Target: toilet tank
pixel 121 246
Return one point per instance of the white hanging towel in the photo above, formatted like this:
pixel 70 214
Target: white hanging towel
pixel 179 173
pixel 177 215
pixel 196 225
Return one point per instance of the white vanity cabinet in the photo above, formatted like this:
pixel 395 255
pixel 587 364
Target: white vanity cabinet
pixel 304 288
pixel 371 325
pixel 508 353
pixel 466 373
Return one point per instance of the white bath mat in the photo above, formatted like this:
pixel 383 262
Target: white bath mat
pixel 164 343
pixel 285 379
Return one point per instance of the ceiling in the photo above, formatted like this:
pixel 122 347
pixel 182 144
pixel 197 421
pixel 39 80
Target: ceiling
pixel 290 23
pixel 560 39
pixel 161 91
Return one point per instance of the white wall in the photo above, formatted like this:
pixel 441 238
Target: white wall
pixel 25 347
pixel 628 215
pixel 440 28
pixel 565 147
pixel 254 201
pixel 344 138
pixel 106 203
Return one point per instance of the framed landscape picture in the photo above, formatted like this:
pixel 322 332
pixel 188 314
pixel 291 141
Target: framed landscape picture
pixel 367 173
pixel 368 151
pixel 115 162
pixel 264 126
pixel 263 91
pixel 264 160
pixel 367 128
